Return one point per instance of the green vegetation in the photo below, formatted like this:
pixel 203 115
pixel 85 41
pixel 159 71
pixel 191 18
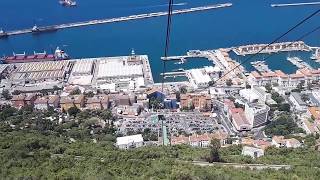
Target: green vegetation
pixel 6 94
pixel 283 125
pixel 268 87
pixel 277 97
pixel 229 82
pixel 48 145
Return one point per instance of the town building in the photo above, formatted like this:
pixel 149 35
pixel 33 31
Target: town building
pixel 203 140
pixel 128 142
pixel 253 152
pixel 21 100
pixel 18 101
pixel 43 103
pixel 303 76
pixel 170 102
pixel 314 113
pixel 239 119
pixel 67 102
pixel 197 101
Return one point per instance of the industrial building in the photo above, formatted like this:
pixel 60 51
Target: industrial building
pixel 124 73
pixel 82 72
pixel 40 71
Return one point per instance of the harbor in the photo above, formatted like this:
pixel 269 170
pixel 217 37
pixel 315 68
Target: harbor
pixel 273 48
pixel 111 20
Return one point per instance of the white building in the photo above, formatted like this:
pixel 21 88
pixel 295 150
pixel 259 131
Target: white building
pixel 280 141
pixel 199 78
pixel 257 114
pixel 125 73
pixel 253 152
pixel 263 96
pixel 298 103
pixel 128 142
pixel 82 72
pixel 248 95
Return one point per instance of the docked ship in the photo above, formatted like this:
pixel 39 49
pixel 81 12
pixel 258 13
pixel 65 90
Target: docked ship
pixel 59 54
pixel 3 34
pixel 35 29
pixel 68 3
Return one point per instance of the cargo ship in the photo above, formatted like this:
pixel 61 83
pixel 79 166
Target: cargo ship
pixel 59 54
pixel 3 34
pixel 68 3
pixel 35 29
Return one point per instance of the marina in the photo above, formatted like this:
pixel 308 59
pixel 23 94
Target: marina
pixel 112 20
pixel 299 62
pixel 274 48
pixel 260 66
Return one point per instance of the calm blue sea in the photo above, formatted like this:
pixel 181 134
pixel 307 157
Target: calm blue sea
pixel 248 21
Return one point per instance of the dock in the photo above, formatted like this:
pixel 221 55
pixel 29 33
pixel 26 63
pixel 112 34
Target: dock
pixel 274 48
pixel 295 4
pixel 118 19
pixel 299 62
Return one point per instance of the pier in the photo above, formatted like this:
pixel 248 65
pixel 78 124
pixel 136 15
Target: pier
pixel 176 58
pixel 299 62
pixel 173 74
pixel 295 4
pixel 114 20
pixel 274 48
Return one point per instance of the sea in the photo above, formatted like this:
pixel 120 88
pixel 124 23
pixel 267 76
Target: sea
pixel 246 22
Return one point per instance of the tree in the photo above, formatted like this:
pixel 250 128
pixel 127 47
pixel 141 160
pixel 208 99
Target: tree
pixel 229 82
pixel 89 94
pixel 277 97
pixel 6 94
pixel 284 107
pixel 16 92
pixel 214 150
pixel 283 125
pixel 75 92
pixel 268 87
pixel 305 97
pixel 300 86
pixel 183 90
pixel 73 111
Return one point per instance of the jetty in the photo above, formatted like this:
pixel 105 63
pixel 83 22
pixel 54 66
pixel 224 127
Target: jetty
pixel 115 20
pixel 273 48
pixel 295 4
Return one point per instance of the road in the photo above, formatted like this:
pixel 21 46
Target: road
pixel 251 166
pixel 224 120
